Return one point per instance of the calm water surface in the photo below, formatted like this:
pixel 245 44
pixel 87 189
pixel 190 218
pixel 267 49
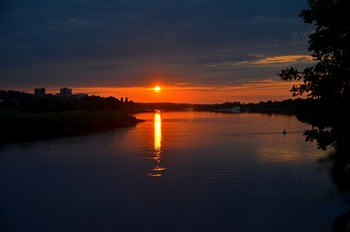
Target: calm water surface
pixel 184 171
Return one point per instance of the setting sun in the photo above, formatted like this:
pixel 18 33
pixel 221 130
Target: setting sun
pixel 157 88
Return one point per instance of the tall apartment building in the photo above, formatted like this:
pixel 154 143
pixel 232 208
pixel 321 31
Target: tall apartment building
pixel 65 92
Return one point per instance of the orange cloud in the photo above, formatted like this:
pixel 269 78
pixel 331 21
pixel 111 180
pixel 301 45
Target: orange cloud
pixel 279 60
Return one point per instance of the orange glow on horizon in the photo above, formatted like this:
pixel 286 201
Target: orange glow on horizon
pixel 251 92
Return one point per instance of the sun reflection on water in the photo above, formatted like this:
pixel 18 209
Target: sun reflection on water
pixel 157 132
pixel 158 169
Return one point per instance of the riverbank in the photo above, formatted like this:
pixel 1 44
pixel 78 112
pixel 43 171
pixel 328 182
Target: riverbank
pixel 26 116
pixel 17 125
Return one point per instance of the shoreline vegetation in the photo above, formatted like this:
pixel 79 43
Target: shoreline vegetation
pixel 287 107
pixel 24 116
pixel 26 125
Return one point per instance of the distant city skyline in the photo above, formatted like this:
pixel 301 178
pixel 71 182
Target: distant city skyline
pixel 210 50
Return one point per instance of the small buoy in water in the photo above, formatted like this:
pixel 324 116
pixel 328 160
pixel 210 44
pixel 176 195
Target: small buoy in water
pixel 284 131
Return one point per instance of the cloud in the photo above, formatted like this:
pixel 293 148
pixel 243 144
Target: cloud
pixel 279 60
pixel 129 42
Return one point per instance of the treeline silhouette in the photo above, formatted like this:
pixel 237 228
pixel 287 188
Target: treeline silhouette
pixel 25 116
pixel 326 84
pixel 289 106
pixel 14 100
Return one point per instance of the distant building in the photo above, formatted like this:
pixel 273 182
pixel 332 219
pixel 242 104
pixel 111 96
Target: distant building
pixel 39 92
pixel 65 92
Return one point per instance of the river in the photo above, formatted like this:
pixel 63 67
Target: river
pixel 177 171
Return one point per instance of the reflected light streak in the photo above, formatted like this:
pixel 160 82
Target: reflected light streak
pixel 157 170
pixel 157 132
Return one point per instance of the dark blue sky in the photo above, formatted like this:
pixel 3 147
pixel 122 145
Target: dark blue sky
pixel 137 42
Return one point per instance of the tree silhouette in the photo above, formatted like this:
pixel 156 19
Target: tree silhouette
pixel 327 83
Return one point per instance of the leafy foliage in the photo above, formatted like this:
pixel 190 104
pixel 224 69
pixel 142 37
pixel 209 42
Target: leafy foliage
pixel 327 83
pixel 24 115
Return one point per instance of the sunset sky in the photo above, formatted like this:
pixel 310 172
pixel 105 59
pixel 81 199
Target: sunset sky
pixel 198 51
